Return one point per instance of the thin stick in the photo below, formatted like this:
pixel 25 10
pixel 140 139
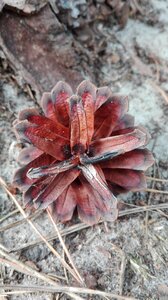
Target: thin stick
pixel 65 271
pixel 14 224
pixel 4 248
pixel 160 90
pixel 122 272
pixel 2 275
pixel 162 213
pixel 156 191
pixel 143 209
pixel 64 289
pixel 64 246
pixel 149 203
pixel 156 179
pixel 38 232
pixel 55 277
pixel 122 268
pixel 9 215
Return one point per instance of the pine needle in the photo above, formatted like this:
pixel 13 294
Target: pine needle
pixel 38 232
pixel 63 289
pixel 64 247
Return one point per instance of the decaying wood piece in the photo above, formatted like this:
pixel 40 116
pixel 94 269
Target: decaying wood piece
pixel 39 49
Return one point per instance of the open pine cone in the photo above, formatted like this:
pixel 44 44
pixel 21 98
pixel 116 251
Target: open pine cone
pixel 85 150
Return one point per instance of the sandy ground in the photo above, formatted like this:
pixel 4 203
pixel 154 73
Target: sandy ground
pixel 128 257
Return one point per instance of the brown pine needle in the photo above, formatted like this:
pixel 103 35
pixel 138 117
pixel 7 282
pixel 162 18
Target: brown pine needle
pixel 160 90
pixel 19 222
pixel 156 179
pixel 7 259
pixel 156 191
pixel 63 289
pixel 65 271
pixel 81 226
pixel 71 291
pixel 64 247
pixel 147 212
pixel 38 232
pixel 9 215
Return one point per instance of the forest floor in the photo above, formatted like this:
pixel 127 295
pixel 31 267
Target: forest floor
pixel 128 257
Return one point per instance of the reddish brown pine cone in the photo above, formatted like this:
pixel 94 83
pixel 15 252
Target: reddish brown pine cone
pixel 85 150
